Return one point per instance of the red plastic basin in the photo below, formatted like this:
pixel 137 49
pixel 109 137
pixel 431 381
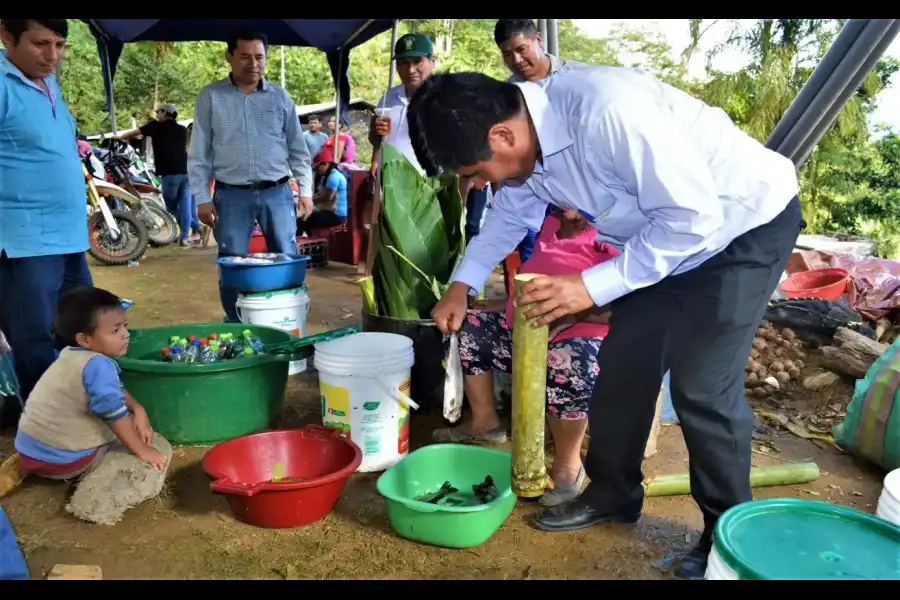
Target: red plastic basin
pixel 315 464
pixel 825 284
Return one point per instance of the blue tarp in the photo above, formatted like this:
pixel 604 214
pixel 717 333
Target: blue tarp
pixel 332 36
pixel 12 561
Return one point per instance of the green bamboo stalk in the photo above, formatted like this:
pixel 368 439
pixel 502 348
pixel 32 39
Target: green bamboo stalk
pixel 370 305
pixel 529 393
pixel 679 484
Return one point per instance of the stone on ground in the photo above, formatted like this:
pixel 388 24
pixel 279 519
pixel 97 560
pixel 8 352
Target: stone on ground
pixel 76 572
pixel 119 481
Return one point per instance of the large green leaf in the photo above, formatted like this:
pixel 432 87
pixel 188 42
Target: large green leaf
pixel 420 237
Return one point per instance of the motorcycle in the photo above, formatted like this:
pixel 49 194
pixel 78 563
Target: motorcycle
pixel 111 232
pixel 149 207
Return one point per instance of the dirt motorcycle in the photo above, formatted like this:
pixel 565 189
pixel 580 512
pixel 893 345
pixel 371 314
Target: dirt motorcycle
pixel 148 207
pixel 115 237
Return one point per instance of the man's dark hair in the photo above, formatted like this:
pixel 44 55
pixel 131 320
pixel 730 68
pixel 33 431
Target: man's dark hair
pixel 451 114
pixel 79 309
pixel 246 34
pixel 16 27
pixel 506 29
pixel 313 118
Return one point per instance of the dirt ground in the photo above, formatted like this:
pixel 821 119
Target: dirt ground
pixel 189 533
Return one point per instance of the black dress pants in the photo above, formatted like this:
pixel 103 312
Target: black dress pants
pixel 699 325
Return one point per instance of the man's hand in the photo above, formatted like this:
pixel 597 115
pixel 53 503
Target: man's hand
pixel 307 204
pixel 142 424
pixel 382 125
pixel 207 213
pixel 153 457
pixel 554 298
pixel 451 310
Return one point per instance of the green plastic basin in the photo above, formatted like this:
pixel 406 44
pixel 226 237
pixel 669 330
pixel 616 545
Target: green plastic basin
pixel 424 471
pixel 205 403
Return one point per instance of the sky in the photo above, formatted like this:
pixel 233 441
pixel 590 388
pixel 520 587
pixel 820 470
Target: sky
pixel 677 33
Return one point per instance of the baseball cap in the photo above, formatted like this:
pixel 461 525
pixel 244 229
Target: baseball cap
pixel 168 109
pixel 413 45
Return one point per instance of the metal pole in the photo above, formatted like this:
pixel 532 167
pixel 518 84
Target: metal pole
pixel 542 26
pixel 552 37
pixel 282 67
pixel 393 66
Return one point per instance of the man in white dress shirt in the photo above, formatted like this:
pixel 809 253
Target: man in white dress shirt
pixel 705 217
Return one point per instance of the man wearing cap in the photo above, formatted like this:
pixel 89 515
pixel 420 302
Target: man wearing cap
pixel 414 55
pixel 170 143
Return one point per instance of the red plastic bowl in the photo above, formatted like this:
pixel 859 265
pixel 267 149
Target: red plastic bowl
pixel 317 461
pixel 825 284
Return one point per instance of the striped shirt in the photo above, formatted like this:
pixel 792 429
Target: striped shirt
pixel 242 138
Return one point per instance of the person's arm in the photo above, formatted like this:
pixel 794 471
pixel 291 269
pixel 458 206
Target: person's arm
pixel 200 158
pixel 515 211
pixel 107 400
pixel 298 151
pixel 674 189
pixel 328 194
pixel 145 130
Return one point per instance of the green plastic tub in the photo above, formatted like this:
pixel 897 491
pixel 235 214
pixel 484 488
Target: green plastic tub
pixel 424 471
pixel 792 538
pixel 205 403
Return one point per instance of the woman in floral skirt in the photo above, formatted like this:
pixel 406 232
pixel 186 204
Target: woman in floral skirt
pixel 566 244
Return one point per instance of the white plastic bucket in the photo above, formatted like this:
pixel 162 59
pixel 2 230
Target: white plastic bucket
pixel 718 569
pixel 284 309
pixel 889 502
pixel 364 382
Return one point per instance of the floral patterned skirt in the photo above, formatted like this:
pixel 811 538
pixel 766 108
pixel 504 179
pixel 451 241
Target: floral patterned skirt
pixel 485 344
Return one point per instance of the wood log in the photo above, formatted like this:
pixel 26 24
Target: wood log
pixel 852 353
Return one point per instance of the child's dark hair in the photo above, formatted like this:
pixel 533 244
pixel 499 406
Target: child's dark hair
pixel 78 310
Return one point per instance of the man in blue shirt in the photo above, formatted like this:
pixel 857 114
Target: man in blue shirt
pixel 314 136
pixel 43 219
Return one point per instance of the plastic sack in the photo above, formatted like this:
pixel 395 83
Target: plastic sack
pixel 9 384
pixel 871 428
pixel 453 382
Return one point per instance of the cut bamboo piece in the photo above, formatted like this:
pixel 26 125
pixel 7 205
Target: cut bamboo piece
pixel 370 306
pixel 679 484
pixel 529 396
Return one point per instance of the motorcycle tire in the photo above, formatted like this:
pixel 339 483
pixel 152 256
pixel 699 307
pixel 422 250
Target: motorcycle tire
pixel 159 240
pixel 130 226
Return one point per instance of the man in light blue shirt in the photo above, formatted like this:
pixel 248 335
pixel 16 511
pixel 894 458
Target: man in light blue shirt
pixel 247 137
pixel 705 217
pixel 43 218
pixel 314 136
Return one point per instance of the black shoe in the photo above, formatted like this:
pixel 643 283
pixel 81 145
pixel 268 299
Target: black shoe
pixel 578 514
pixel 693 564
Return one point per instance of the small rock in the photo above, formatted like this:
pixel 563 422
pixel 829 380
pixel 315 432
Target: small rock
pixel 855 493
pixel 76 573
pixel 820 381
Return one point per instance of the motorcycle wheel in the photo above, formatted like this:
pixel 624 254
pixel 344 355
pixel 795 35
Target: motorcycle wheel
pixel 115 252
pixel 161 226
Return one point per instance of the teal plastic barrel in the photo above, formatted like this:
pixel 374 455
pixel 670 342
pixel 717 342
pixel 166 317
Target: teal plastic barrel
pixel 205 403
pixel 790 538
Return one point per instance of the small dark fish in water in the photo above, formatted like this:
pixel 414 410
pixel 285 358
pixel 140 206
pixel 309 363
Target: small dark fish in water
pixel 486 491
pixel 439 495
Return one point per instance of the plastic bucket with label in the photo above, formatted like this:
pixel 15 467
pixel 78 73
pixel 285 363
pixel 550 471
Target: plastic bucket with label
pixel 282 309
pixel 364 383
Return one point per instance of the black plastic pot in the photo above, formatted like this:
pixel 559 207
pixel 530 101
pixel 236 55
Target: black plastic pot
pixel 427 385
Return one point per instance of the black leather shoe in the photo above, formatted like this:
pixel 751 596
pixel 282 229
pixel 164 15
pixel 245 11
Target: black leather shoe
pixel 578 514
pixel 693 564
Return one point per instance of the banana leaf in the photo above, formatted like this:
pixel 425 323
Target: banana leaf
pixel 419 237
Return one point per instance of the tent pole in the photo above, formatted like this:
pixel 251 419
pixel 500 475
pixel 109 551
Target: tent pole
pixel 393 64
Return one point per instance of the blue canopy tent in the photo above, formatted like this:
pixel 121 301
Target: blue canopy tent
pixel 335 37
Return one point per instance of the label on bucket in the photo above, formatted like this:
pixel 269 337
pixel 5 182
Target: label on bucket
pixel 335 407
pixel 403 422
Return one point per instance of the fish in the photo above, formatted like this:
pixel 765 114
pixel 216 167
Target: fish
pixel 453 382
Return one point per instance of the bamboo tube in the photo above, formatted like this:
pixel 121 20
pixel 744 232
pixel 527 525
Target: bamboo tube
pixel 529 394
pixel 679 484
pixel 367 285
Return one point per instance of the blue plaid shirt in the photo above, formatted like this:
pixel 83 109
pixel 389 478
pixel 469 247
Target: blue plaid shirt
pixel 241 138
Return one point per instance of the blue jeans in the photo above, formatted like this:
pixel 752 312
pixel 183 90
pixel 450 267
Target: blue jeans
pixel 238 210
pixel 526 246
pixel 179 201
pixel 29 291
pixel 475 203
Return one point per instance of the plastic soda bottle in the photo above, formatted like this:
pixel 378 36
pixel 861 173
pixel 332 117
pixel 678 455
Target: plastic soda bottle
pixel 177 355
pixel 165 352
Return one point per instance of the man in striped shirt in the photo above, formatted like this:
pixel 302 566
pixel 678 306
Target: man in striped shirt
pixel 248 139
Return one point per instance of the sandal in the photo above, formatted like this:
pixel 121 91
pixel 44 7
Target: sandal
pixel 561 494
pixel 457 435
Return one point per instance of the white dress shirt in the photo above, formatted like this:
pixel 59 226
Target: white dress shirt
pixel 665 178
pixel 397 103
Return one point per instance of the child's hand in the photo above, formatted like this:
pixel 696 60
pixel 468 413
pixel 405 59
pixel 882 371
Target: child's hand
pixel 142 425
pixel 154 457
